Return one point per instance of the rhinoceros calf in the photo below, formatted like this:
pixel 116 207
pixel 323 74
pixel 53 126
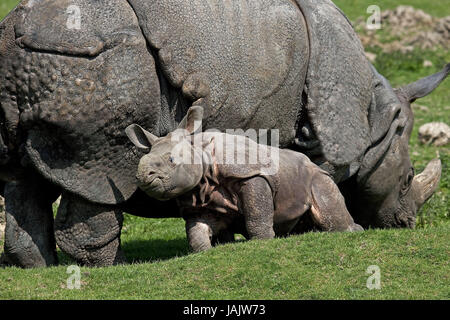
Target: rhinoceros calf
pixel 227 184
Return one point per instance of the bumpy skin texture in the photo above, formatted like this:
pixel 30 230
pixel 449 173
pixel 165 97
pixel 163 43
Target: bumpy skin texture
pixel 66 97
pixel 10 134
pixel 89 233
pixel 75 101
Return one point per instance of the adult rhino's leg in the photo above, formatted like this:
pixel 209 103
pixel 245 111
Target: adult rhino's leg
pixel 89 232
pixel 29 237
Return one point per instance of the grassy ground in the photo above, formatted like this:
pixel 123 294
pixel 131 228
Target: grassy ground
pixel 414 264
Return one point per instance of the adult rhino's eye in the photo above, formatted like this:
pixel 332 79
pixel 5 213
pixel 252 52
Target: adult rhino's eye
pixel 408 182
pixel 171 159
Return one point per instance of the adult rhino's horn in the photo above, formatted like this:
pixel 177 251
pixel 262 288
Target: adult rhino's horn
pixel 425 86
pixel 426 183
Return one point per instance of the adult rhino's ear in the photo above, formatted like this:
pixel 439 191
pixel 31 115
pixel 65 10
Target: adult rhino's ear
pixel 192 122
pixel 425 86
pixel 140 137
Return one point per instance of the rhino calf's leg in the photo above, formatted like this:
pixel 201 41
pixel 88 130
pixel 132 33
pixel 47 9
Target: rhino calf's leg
pixel 29 237
pixel 205 230
pixel 199 234
pixel 328 210
pixel 89 232
pixel 258 208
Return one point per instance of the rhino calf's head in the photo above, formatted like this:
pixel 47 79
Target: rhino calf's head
pixel 173 165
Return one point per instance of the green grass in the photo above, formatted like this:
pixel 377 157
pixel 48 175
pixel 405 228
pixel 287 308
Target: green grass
pixel 6 6
pixel 414 263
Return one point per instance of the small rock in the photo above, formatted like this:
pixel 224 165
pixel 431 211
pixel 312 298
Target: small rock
pixel 434 133
pixel 371 56
pixel 427 63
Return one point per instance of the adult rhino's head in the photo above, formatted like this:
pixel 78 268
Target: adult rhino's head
pixel 392 191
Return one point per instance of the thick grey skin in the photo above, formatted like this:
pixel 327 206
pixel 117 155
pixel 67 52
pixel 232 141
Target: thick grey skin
pixel 241 197
pixel 78 220
pixel 66 97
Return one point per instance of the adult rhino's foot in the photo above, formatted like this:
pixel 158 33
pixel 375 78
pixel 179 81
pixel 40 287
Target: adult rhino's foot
pixel 89 232
pixel 29 239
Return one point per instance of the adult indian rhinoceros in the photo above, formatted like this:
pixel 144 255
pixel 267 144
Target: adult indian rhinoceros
pixel 75 73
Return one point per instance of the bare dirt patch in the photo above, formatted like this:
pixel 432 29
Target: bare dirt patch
pixel 404 29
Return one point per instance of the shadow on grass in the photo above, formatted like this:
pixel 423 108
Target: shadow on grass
pixel 148 251
pixel 144 251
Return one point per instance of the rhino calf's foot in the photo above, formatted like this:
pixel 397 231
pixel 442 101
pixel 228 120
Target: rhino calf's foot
pixel 89 232
pixel 205 230
pixel 29 237
pixel 329 211
pixel 355 228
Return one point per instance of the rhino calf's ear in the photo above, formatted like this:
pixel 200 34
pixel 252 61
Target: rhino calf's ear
pixel 210 146
pixel 140 137
pixel 192 122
